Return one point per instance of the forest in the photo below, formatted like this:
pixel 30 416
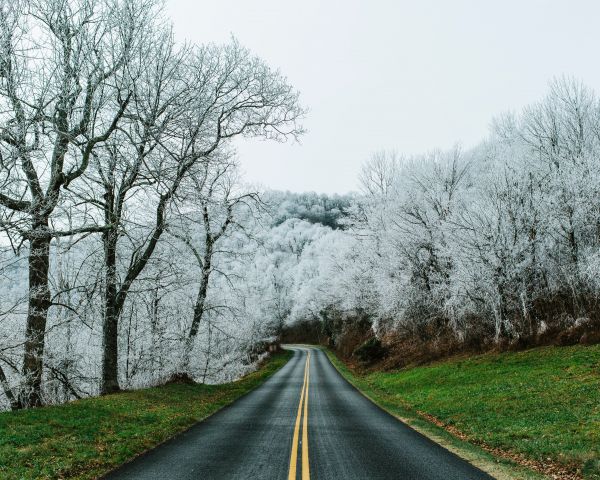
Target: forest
pixel 133 252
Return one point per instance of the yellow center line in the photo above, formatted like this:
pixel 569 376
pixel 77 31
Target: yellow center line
pixel 305 465
pixel 294 454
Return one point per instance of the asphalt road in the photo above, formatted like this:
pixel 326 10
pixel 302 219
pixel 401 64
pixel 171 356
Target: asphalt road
pixel 264 435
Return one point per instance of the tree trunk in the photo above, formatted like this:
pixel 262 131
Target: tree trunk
pixel 110 328
pixel 199 306
pixel 39 303
pixel 200 302
pixel 208 353
pixel 12 400
pixel 115 295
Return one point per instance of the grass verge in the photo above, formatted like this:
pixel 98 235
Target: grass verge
pixel 87 438
pixel 530 414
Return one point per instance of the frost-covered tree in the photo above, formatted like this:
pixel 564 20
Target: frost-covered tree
pixel 61 99
pixel 492 245
pixel 104 121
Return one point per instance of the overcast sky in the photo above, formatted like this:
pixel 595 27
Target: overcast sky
pixel 408 75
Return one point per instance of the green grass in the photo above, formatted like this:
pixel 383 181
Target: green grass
pixel 542 403
pixel 87 438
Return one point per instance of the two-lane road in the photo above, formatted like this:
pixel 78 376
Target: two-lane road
pixel 305 422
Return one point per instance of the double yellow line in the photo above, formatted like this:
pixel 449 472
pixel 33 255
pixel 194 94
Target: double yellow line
pixel 294 454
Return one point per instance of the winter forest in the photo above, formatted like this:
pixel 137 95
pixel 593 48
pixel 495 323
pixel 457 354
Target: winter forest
pixel 132 250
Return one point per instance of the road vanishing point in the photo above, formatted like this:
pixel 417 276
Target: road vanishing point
pixel 304 422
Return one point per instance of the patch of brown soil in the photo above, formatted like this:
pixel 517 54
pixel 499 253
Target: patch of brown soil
pixel 181 379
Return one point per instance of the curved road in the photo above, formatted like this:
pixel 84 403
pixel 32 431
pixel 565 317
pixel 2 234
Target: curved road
pixel 264 435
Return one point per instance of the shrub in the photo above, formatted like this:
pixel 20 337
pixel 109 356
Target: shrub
pixel 370 351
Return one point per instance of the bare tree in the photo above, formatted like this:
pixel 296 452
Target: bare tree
pixel 217 206
pixel 127 166
pixel 182 115
pixel 380 173
pixel 59 102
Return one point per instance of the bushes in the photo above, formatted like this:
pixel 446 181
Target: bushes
pixel 370 351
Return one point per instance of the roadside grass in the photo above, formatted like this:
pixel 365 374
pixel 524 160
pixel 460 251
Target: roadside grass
pixel 87 438
pixel 540 408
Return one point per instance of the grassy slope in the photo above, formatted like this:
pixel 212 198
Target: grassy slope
pixel 86 438
pixel 542 403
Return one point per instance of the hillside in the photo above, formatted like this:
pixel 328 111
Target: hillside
pixel 540 407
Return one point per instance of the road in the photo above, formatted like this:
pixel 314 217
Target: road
pixel 265 435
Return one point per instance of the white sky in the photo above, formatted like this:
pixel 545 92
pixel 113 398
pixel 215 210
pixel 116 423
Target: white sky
pixel 410 75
